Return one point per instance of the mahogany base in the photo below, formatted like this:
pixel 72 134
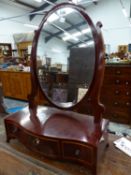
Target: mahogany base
pixel 61 135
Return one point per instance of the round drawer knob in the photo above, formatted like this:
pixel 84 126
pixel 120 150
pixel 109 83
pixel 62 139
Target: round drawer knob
pixel 127 83
pixel 127 93
pixel 36 141
pixel 77 152
pixel 118 72
pixel 117 92
pixel 117 81
pixel 127 104
pixel 115 103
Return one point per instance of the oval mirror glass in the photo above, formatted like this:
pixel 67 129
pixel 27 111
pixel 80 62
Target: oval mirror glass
pixel 65 57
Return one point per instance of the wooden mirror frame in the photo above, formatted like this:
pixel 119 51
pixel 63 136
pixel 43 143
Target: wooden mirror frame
pixel 90 104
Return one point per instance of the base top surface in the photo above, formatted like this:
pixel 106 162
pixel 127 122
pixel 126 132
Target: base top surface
pixel 54 123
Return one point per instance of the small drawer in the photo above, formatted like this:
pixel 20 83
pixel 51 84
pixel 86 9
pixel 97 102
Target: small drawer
pixel 122 105
pixel 78 152
pixel 118 72
pixel 47 147
pixel 117 116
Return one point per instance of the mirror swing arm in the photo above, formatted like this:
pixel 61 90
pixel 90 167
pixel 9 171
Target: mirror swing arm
pixel 77 133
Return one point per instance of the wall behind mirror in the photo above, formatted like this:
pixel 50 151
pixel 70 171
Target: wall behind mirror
pixel 65 57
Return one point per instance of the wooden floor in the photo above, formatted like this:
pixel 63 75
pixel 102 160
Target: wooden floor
pixel 114 161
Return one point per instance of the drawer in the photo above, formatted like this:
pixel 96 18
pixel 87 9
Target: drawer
pixel 118 109
pixel 115 91
pixel 116 100
pixel 117 112
pixel 116 116
pixel 118 71
pixel 113 80
pixel 117 103
pixel 47 147
pixel 78 152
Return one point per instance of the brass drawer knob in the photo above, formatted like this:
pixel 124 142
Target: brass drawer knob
pixel 117 81
pixel 127 93
pixel 117 92
pixel 36 141
pixel 115 103
pixel 118 72
pixel 77 152
pixel 127 104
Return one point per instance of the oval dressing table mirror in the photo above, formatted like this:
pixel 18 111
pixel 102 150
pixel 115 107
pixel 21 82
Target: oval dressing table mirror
pixel 65 61
pixel 67 65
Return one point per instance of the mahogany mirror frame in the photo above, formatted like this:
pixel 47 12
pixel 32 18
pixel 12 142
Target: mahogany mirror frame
pixel 90 104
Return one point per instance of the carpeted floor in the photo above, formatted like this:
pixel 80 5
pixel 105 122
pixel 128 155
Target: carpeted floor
pixel 120 129
pixel 13 105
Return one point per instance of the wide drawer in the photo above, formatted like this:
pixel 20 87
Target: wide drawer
pixel 47 147
pixel 116 116
pixel 78 152
pixel 42 145
pixel 113 80
pixel 116 71
pixel 116 92
pixel 124 103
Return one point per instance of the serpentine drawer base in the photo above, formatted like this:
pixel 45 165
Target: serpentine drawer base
pixel 59 135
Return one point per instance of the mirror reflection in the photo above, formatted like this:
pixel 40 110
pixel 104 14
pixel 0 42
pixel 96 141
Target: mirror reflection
pixel 65 57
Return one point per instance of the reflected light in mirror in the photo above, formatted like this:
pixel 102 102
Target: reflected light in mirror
pixel 86 31
pixel 59 14
pixel 90 43
pixel 53 17
pixel 31 25
pixel 76 1
pixel 74 35
pixel 38 0
pixel 70 37
pixel 83 45
pixel 56 50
